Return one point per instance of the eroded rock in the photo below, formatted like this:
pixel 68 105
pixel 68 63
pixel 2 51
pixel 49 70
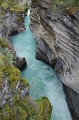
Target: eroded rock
pixel 21 63
pixel 44 53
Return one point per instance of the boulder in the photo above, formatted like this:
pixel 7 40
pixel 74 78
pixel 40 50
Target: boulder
pixel 21 63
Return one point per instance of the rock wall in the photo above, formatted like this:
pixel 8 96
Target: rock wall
pixel 72 99
pixel 13 24
pixel 59 31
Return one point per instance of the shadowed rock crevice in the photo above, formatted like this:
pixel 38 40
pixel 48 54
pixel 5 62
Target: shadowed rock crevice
pixel 44 53
pixel 21 63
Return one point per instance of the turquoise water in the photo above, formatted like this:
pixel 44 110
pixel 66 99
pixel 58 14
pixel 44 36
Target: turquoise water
pixel 42 78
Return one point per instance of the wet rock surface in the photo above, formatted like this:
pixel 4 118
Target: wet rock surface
pixel 20 63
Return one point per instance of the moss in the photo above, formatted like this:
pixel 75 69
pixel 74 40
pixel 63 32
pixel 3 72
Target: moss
pixel 17 113
pixel 4 112
pixel 58 71
pixel 13 75
pixel 2 68
pixel 12 72
pixel 3 43
pixel 14 6
pixel 18 8
pixel 4 5
pixel 26 103
pixel 72 10
pixel 18 19
pixel 1 82
pixel 23 82
pixel 45 109
pixel 36 110
pixel 12 113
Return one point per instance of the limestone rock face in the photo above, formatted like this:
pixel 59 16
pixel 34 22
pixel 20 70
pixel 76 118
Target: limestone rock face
pixel 44 53
pixel 60 32
pixel 72 99
pixel 57 32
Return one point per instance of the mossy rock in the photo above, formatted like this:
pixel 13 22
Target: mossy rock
pixel 72 10
pixel 45 109
pixel 23 82
pixel 13 76
pixel 12 72
pixel 58 71
pixel 12 113
pixel 4 5
pixel 18 9
pixel 3 42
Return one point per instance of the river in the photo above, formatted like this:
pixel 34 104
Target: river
pixel 42 78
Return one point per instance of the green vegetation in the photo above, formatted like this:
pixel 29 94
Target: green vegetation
pixel 10 70
pixel 45 109
pixel 23 82
pixel 6 65
pixel 9 54
pixel 26 108
pixel 16 6
pixel 3 43
pixel 70 5
pixel 4 49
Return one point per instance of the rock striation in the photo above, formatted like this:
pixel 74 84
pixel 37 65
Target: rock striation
pixel 57 33
pixel 44 53
pixel 21 63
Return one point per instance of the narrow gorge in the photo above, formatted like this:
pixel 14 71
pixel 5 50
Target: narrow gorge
pixel 39 61
pixel 41 77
